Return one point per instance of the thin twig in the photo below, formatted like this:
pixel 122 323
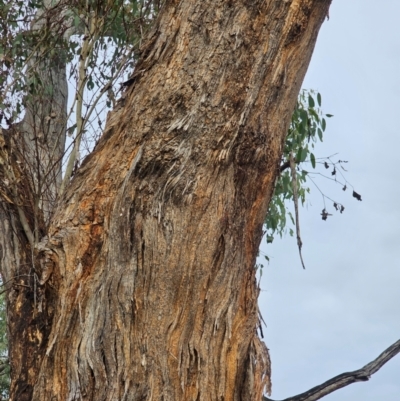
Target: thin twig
pixel 296 205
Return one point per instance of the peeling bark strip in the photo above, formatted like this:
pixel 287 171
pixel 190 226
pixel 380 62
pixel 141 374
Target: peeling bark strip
pixel 154 243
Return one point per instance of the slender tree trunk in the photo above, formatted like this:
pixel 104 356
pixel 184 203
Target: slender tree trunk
pixel 34 152
pixel 31 154
pixel 148 267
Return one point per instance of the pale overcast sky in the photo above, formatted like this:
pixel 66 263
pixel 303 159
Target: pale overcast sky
pixel 344 309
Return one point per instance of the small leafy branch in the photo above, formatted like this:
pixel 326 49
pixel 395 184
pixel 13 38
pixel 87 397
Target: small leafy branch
pixel 336 169
pixel 306 130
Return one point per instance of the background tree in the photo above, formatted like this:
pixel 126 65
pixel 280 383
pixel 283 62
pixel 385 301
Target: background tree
pixel 4 367
pixel 149 254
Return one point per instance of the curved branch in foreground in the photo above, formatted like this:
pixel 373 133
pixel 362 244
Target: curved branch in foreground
pixel 345 379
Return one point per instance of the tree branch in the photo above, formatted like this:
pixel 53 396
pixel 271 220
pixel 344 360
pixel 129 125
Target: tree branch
pixel 345 379
pixel 284 166
pixel 296 204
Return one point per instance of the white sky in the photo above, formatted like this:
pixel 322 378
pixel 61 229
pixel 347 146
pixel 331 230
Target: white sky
pixel 344 310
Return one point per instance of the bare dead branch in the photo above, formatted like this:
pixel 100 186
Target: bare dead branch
pixel 347 378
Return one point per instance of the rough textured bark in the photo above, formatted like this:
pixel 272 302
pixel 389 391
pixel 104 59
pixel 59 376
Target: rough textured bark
pixel 24 214
pixel 148 266
pixel 28 302
pixel 30 173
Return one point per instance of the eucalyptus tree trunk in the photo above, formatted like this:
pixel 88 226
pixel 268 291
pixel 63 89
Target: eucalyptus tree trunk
pixel 33 151
pixel 30 170
pixel 145 284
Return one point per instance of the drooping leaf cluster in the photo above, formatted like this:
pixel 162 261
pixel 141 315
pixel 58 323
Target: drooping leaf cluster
pixel 306 129
pixel 16 47
pixel 96 42
pixel 102 37
pixel 103 50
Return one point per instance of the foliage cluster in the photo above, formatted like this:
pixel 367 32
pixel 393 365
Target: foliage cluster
pixel 97 41
pixel 306 129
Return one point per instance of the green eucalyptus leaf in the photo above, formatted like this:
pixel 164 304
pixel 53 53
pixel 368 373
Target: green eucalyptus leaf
pixel 320 135
pixel 323 124
pixel 301 155
pixel 312 158
pixel 77 21
pixel 304 117
pixel 311 102
pixel 319 99
pixel 314 114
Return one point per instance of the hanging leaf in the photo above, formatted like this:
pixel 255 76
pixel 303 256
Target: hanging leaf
pixel 320 135
pixel 90 84
pixel 357 196
pixel 325 214
pixel 312 158
pixel 311 102
pixel 70 130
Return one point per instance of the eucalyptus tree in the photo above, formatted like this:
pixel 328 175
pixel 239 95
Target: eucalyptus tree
pixel 130 272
